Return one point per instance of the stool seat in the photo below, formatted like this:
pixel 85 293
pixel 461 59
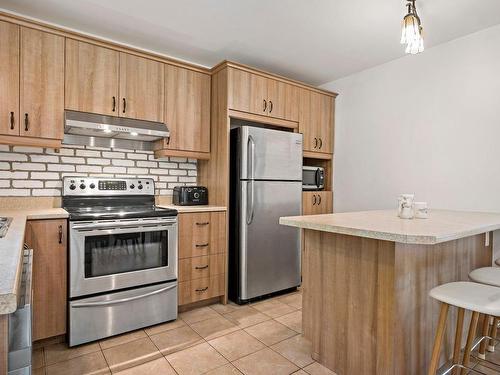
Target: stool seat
pixel 484 299
pixel 486 275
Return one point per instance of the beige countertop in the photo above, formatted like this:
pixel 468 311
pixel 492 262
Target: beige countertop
pixel 441 226
pixel 186 209
pixel 11 247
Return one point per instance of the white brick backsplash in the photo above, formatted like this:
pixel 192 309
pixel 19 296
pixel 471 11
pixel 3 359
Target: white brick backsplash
pixel 88 153
pixel 45 175
pixel 137 156
pixel 61 167
pixel 34 171
pixel 13 157
pixel 28 167
pixel 27 184
pixel 89 168
pixel 72 160
pixel 44 158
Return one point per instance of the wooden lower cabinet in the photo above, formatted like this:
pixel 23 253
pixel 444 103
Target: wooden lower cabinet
pixel 202 256
pixel 48 239
pixel 317 202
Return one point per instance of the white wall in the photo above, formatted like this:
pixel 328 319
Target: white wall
pixel 427 124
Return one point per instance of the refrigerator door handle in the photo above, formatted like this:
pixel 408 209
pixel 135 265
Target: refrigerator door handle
pixel 251 188
pixel 251 157
pixel 250 201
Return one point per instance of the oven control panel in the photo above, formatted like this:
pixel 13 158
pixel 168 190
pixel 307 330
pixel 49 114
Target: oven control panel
pixel 91 186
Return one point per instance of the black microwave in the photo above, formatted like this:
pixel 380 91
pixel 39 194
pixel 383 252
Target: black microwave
pixel 313 178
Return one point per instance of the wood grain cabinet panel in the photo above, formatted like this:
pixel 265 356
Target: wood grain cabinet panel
pixel 9 78
pixel 200 289
pixel 187 109
pixel 201 267
pixel 48 239
pixel 141 88
pixel 201 234
pixel 42 84
pixel 91 79
pixel 247 92
pixel 283 100
pixel 317 202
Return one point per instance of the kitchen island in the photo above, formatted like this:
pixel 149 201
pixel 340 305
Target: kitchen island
pixel 366 278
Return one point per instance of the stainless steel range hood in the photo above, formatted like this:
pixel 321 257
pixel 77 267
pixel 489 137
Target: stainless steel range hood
pixel 89 129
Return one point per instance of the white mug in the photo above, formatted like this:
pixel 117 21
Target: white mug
pixel 421 210
pixel 405 206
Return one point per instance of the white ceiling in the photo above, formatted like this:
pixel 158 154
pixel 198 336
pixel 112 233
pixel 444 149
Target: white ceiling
pixel 315 41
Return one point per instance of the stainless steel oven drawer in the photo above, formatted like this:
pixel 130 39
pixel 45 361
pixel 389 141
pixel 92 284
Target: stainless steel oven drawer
pixel 98 317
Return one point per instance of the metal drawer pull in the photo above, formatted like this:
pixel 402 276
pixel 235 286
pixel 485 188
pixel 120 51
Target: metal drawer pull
pixel 320 143
pixel 26 122
pixel 60 233
pixel 124 105
pixel 202 245
pixel 202 289
pixel 319 199
pixel 204 223
pixel 201 267
pixel 264 105
pixel 270 106
pixel 12 120
pixel 114 104
pixel 314 199
pixel 105 303
pixel 315 142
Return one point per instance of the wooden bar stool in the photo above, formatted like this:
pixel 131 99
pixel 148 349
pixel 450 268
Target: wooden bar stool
pixel 497 262
pixel 465 295
pixel 487 276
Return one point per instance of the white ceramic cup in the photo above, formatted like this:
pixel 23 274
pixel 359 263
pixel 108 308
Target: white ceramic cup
pixel 421 211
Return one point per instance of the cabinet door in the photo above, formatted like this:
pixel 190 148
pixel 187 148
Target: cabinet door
pixel 42 84
pixel 187 109
pixel 9 78
pixel 326 123
pixel 283 100
pixel 142 88
pixel 48 239
pixel 91 78
pixel 247 92
pixel 308 115
pixel 317 202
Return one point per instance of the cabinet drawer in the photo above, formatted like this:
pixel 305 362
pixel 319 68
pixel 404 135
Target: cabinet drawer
pixel 201 234
pixel 201 267
pixel 200 289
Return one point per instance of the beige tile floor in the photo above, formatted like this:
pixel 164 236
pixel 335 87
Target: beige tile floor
pixel 257 339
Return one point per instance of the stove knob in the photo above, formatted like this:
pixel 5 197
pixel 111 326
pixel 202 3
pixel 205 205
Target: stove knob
pixel 72 187
pixel 92 185
pixel 132 186
pixel 82 186
pixel 196 195
pixel 139 187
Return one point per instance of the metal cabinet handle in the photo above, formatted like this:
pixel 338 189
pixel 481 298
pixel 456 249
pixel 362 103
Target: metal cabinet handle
pixel 201 267
pixel 60 234
pixel 204 223
pixel 319 199
pixel 168 140
pixel 320 143
pixel 114 104
pixel 202 289
pixel 264 106
pixel 26 122
pixel 124 105
pixel 12 120
pixel 201 245
pixel 315 142
pixel 314 199
pixel 270 106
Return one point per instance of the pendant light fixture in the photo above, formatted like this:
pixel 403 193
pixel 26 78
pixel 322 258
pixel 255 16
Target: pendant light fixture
pixel 412 31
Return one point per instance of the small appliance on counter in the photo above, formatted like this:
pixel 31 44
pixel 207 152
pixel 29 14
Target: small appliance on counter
pixel 190 195
pixel 313 178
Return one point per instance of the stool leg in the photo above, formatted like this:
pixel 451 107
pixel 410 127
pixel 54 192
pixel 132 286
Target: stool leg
pixel 470 340
pixel 493 334
pixel 485 331
pixel 438 340
pixel 458 339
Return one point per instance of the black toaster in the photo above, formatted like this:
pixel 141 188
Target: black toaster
pixel 190 195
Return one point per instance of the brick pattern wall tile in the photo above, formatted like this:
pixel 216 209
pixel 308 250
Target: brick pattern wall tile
pixel 34 171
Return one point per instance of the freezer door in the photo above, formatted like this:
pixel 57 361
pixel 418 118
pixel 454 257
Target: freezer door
pixel 267 154
pixel 269 258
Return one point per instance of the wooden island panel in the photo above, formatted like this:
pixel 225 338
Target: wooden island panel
pixel 366 306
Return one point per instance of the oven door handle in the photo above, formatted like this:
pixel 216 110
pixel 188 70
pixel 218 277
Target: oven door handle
pixel 126 224
pixel 118 228
pixel 114 302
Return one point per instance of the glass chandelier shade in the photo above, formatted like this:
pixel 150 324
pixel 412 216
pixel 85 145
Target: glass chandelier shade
pixel 411 31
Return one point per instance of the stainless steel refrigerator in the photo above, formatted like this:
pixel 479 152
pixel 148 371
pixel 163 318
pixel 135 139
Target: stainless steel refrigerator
pixel 266 184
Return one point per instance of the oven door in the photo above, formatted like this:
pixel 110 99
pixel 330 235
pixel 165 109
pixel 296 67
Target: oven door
pixel 109 255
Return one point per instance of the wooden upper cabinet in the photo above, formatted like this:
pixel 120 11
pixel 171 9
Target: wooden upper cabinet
pixel 247 92
pixel 91 81
pixel 42 84
pixel 187 109
pixel 9 78
pixel 316 121
pixel 48 239
pixel 141 88
pixel 283 100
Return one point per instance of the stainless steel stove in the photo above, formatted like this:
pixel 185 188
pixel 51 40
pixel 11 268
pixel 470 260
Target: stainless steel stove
pixel 122 257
